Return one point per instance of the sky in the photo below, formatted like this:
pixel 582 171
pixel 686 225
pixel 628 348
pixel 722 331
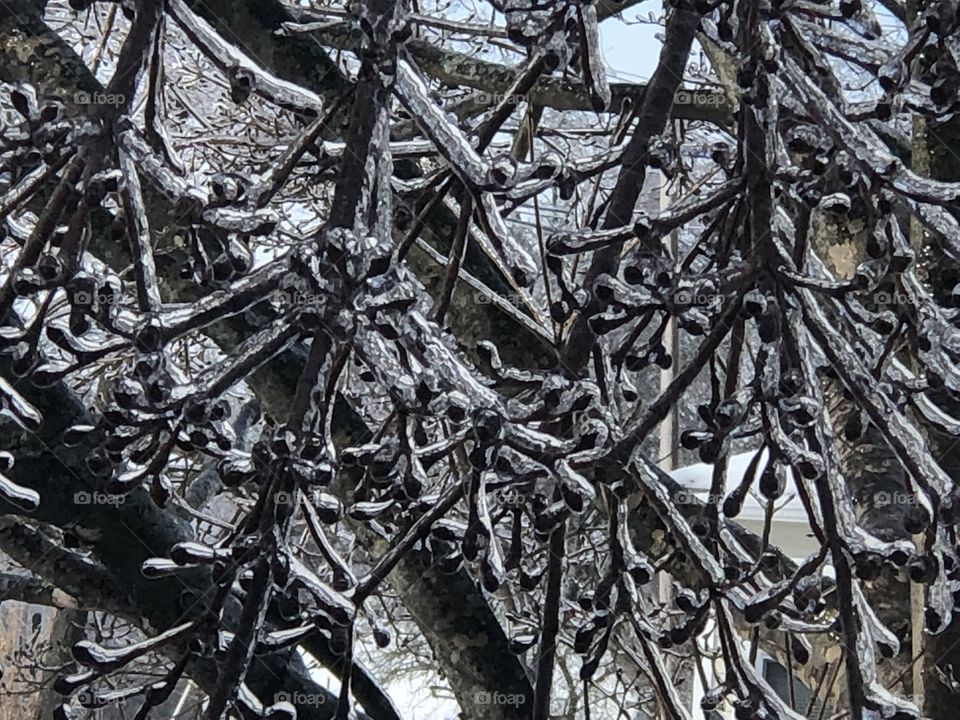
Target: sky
pixel 631 49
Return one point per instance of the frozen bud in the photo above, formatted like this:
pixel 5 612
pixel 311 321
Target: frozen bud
pixel 693 439
pixel 768 323
pixel 487 426
pixel 916 520
pixel 835 203
pixel 363 511
pixel 799 650
pixel 329 509
pixel 27 282
pixel 868 566
pixel 241 83
pixel 754 303
pixel 923 569
pixel 502 170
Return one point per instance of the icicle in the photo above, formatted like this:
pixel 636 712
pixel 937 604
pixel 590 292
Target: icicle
pixel 18 495
pixel 15 406
pixel 104 660
pixel 447 137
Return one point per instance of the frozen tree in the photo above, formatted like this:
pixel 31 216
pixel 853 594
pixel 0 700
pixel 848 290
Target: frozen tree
pixel 332 336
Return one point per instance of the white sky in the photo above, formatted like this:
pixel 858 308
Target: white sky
pixel 631 48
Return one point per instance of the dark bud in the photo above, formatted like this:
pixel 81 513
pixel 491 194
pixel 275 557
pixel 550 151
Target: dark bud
pixel 20 103
pixel 899 558
pixel 710 450
pixel 412 487
pixel 900 261
pixel 222 268
pixel 241 84
pixel 768 324
pixel 49 267
pixel 559 311
pixel 709 702
pixel 868 566
pixel 583 639
pixel 700 527
pixel 641 573
pixel 799 651
pixel 635 363
pixel 732 505
pixel 771 483
pixel 916 520
pixel 574 500
pixel 923 569
pixel 528 581
pixel 22 365
pixel 732 573
pixel 424 394
pixel 753 614
pixel 27 283
pixel 633 275
pixel 552 60
pixel 341 583
pixel 686 601
pixel 754 303
pixel 521 643
pixel 943 93
pixel 745 709
pixel 692 439
pixel 680 634
pixel 724 29
pixel 489 580
pixel 381 636
pixel 849 8
pixel 809 469
pixel 233 474
pixel 98 463
pixel 488 427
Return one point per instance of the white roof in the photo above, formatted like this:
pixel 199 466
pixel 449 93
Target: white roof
pixel 698 478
